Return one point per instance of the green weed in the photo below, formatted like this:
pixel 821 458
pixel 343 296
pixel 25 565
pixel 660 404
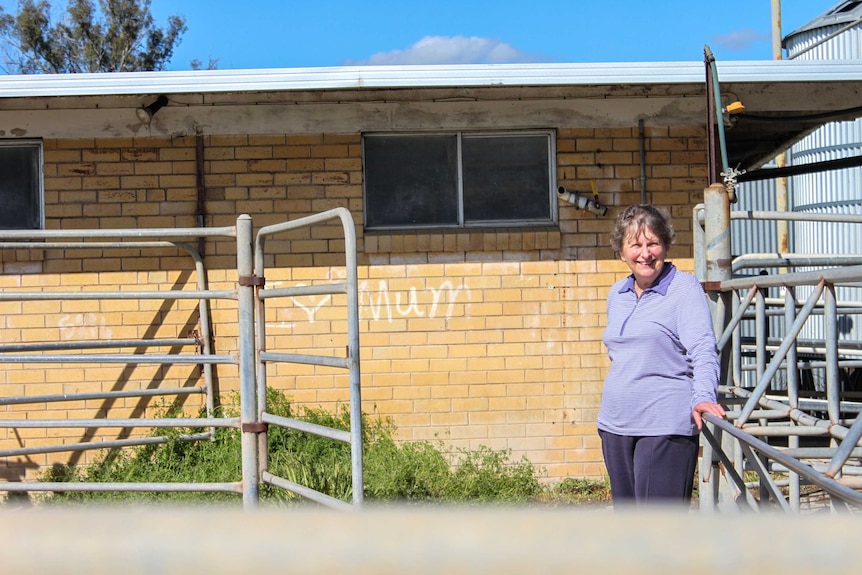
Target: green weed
pixel 412 471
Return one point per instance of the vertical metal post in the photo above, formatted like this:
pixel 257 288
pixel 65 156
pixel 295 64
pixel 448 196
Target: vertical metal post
pixel 736 347
pixel 760 331
pixel 260 346
pixel 206 337
pixel 353 359
pixel 709 479
pixel 643 178
pixel 792 392
pixel 761 358
pixel 718 110
pixel 698 242
pixel 833 384
pixel 248 400
pixel 830 335
pixel 717 233
pixel 718 258
pixel 792 356
pixel 718 268
pixel 352 362
pixel 781 226
pixel 715 165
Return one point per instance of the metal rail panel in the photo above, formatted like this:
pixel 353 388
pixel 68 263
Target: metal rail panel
pixel 47 352
pixel 766 424
pixel 251 357
pixel 351 362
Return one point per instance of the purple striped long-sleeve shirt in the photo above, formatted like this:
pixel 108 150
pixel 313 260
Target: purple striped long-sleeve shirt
pixel 663 356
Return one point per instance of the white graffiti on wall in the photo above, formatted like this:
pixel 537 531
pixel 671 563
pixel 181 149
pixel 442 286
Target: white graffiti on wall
pixel 311 309
pixel 83 326
pixel 383 304
pixel 384 307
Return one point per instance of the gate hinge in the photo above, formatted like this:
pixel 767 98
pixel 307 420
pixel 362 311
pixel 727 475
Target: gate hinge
pixel 252 280
pixel 254 427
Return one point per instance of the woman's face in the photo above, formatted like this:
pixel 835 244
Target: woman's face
pixel 644 253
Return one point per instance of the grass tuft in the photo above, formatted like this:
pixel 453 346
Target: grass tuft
pixel 395 472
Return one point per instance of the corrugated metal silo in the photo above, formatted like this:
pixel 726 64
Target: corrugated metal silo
pixel 835 35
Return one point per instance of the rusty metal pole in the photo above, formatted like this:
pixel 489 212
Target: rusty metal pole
pixel 781 205
pixel 717 234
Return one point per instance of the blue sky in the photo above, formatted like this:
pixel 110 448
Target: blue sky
pixel 300 33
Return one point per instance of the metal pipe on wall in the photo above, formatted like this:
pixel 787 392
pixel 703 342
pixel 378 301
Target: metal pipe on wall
pixel 581 201
pixel 642 140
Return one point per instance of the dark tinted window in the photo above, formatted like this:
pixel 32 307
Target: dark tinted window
pixel 411 181
pixel 20 189
pixel 506 178
pixel 453 180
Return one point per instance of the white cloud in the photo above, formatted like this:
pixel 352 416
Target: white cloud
pixel 452 50
pixel 740 39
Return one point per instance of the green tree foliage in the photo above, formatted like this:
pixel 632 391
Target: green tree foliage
pixel 103 36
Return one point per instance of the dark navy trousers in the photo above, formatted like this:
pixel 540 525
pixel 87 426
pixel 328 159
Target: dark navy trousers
pixel 652 469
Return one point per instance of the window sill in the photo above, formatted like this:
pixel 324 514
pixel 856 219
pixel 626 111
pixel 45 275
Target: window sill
pixel 526 238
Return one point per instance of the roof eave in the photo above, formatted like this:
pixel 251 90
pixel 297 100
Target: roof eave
pixel 417 77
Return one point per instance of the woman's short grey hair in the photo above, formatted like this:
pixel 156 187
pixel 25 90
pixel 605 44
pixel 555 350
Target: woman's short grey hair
pixel 637 218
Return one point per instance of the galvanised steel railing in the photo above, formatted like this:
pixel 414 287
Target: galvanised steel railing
pixel 350 363
pixel 248 294
pixel 786 435
pixel 81 351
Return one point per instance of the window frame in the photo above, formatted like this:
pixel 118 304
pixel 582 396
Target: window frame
pixel 553 212
pixel 39 177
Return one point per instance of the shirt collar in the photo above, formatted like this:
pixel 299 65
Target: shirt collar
pixel 661 284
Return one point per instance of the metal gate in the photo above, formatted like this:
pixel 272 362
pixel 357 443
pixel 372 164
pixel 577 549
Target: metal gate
pixel 251 357
pixel 350 288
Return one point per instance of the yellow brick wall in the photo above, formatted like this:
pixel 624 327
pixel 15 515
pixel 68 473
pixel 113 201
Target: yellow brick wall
pixel 486 337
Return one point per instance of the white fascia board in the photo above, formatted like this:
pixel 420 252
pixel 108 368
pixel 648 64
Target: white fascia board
pixel 394 77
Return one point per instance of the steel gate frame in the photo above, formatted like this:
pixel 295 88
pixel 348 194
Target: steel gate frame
pixel 350 287
pixel 250 358
pixel 739 444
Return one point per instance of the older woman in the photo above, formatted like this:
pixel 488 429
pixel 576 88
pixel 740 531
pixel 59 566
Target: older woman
pixel 664 367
